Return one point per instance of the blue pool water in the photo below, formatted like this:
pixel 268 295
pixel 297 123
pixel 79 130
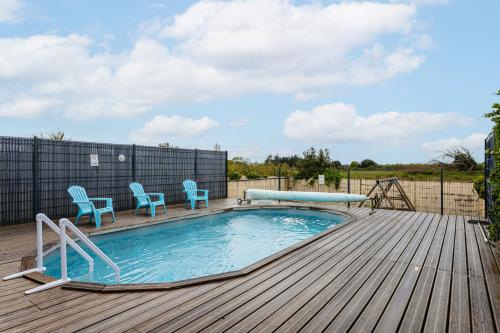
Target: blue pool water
pixel 195 247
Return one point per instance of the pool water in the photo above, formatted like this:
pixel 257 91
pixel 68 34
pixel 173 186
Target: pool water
pixel 195 247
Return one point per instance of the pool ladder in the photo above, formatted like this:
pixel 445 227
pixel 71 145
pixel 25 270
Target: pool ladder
pixel 64 239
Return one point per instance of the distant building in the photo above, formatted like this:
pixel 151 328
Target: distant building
pixel 217 147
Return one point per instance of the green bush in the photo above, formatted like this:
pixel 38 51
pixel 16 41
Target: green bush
pixel 332 176
pixel 234 175
pixel 494 180
pixel 479 186
pixel 354 165
pixel 367 163
pixel 253 175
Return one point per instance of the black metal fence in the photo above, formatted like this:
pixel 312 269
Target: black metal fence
pixel 35 174
pixel 437 191
pixel 489 164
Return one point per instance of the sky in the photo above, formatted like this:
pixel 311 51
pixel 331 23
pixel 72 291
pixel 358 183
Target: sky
pixel 393 81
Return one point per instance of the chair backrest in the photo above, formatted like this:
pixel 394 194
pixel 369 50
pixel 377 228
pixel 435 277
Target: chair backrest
pixel 79 194
pixel 139 193
pixel 137 189
pixel 190 188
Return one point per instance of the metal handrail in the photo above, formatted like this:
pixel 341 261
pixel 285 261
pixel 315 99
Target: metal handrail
pixel 65 223
pixel 42 219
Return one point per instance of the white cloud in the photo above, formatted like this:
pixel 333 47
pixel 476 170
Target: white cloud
pixel 162 128
pixel 27 107
pixel 9 10
pixel 474 142
pixel 340 123
pixel 216 49
pixel 274 41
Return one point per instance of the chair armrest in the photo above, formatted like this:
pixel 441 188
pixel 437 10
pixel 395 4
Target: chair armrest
pixel 204 191
pixel 109 201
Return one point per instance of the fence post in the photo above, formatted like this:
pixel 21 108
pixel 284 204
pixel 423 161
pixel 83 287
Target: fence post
pixel 441 179
pixel 226 179
pixel 348 184
pixel 195 165
pixel 133 163
pixel 485 171
pixel 34 179
pixel 279 178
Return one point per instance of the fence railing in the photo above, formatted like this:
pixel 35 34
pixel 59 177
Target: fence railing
pixel 445 192
pixel 35 174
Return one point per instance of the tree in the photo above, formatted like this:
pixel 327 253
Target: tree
pixel 366 163
pixel 315 162
pixel 56 135
pixel 291 160
pixel 354 165
pixel 164 145
pixel 460 158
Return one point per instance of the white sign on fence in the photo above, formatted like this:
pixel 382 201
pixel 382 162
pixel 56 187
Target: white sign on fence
pixel 321 179
pixel 94 160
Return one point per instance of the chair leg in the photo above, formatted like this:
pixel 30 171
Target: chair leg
pixel 91 217
pixel 98 220
pixel 113 215
pixel 153 211
pixel 164 209
pixel 206 203
pixel 192 204
pixel 77 218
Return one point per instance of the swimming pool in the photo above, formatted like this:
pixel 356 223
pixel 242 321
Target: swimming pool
pixel 196 247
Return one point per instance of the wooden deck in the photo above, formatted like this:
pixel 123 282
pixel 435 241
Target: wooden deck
pixel 386 272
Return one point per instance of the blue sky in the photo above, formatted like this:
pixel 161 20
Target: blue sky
pixel 394 81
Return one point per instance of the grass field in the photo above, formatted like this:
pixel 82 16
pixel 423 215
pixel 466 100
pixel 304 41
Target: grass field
pixel 424 175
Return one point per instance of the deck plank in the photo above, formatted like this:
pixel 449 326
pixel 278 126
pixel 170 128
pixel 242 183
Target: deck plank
pixel 459 319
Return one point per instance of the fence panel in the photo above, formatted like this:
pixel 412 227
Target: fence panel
pixel 36 173
pixel 211 172
pixel 16 196
pixel 65 163
pixel 164 169
pixel 423 190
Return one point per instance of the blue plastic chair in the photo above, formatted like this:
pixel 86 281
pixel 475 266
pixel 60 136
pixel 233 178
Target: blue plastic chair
pixel 192 193
pixel 87 207
pixel 144 199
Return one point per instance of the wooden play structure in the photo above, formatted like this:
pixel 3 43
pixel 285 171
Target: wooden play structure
pixel 387 193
